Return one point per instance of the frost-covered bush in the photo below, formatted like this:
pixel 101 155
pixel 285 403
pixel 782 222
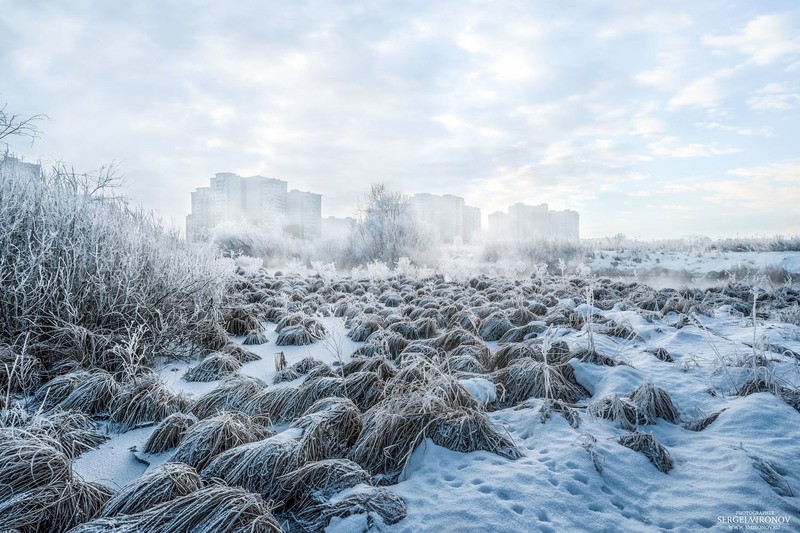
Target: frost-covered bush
pixel 87 276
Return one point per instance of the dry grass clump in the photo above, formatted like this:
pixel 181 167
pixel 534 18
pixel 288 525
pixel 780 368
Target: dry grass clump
pixel 213 367
pixel 661 354
pixel 431 404
pixel 145 400
pixel 287 374
pixel 652 403
pixel 240 354
pixel 306 365
pixel 320 371
pixel 620 410
pixel 214 508
pixel 526 378
pixel 494 326
pixel 466 320
pixel 255 337
pixel 165 483
pixel 19 372
pixel 169 432
pixel 208 438
pixel 594 357
pixel 309 487
pixel 57 389
pixel 464 363
pixel 522 333
pixel 279 405
pixel 257 467
pixel 368 325
pixel 469 430
pixel 374 501
pixel 53 508
pixel 314 327
pixel 647 444
pixel 29 462
pixel 329 429
pixel 94 394
pixel 233 393
pixel 514 351
pixel 421 328
pixel 455 338
pixel 294 336
pixel 377 364
pixel 702 423
pixel 240 320
pixel 74 432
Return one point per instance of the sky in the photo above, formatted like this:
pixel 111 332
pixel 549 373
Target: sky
pixel 653 119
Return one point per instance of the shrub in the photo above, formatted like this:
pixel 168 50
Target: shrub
pixel 65 241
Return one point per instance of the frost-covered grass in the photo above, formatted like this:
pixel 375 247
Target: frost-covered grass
pixel 425 402
pixel 88 278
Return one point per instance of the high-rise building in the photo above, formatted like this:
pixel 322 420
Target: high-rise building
pixel 304 213
pixel 443 216
pixel 265 202
pixel 527 222
pixel 257 200
pixel 472 224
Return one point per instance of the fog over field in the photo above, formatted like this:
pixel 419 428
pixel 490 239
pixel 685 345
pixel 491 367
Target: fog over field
pixel 399 266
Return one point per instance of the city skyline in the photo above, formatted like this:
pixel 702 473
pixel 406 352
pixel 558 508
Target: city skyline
pixel 268 203
pixel 656 120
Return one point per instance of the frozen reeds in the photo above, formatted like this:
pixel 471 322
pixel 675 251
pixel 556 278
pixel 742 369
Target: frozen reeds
pixel 255 337
pixel 316 482
pixel 647 444
pixel 652 403
pixel 165 483
pixel 216 508
pixel 169 432
pixel 19 372
pixel 329 429
pixel 257 467
pixel 213 367
pixel 208 438
pixel 294 336
pixel 526 378
pixel 144 400
pixel 94 393
pixel 232 393
pixel 618 409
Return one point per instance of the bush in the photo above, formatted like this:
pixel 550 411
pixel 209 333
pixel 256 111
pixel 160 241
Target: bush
pixel 87 276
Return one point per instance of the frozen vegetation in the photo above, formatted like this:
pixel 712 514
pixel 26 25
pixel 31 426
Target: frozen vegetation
pixel 150 385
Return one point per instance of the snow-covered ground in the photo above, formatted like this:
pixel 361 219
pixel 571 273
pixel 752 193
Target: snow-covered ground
pixel 581 478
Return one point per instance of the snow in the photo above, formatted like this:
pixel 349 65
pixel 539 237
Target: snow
pixel 555 486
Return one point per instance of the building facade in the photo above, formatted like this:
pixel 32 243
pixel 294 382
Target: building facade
pixel 528 222
pixel 446 217
pixel 256 200
pixel 304 214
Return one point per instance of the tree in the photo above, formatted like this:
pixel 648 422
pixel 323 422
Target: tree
pixel 15 125
pixel 387 230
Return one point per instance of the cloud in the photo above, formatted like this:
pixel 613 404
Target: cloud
pixel 772 186
pixel 673 147
pixel 765 39
pixel 498 102
pixel 705 91
pixel 774 96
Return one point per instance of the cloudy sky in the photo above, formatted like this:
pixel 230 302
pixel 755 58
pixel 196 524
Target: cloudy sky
pixel 654 119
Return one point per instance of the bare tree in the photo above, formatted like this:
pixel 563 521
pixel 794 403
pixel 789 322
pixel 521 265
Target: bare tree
pixel 387 230
pixel 15 125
